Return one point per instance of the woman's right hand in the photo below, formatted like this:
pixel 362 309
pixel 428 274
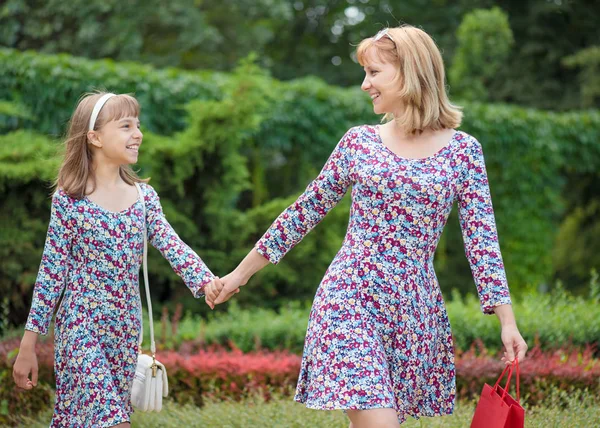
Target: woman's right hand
pixel 231 285
pixel 25 364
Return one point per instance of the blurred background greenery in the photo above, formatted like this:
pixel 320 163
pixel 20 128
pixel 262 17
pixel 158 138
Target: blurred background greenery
pixel 242 101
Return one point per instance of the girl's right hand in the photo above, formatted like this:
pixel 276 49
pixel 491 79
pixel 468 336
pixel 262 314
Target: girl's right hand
pixel 26 363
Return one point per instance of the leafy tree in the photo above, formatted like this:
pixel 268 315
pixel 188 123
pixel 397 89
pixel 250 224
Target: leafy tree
pixel 588 60
pixel 484 42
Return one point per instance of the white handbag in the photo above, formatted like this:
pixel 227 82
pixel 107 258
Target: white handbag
pixel 150 382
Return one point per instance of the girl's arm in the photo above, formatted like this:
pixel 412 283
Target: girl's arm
pixel 184 261
pixel 50 281
pixel 49 285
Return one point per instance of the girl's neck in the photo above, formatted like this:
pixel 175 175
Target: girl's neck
pixel 107 175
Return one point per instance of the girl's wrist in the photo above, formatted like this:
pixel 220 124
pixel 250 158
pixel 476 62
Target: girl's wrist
pixel 29 340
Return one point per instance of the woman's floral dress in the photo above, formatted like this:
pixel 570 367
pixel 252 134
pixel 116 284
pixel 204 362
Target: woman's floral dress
pixel 378 334
pixel 94 255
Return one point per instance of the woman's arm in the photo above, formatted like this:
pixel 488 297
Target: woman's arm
pixel 514 344
pixel 297 220
pixel 482 249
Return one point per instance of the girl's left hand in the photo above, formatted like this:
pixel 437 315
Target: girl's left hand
pixel 514 345
pixel 212 290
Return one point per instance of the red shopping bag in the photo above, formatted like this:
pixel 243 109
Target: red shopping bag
pixel 496 408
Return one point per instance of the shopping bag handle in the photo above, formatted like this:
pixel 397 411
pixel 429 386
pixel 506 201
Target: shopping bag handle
pixel 518 376
pixel 509 369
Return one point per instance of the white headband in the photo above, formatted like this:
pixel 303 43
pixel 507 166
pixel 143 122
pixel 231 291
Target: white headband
pixel 99 104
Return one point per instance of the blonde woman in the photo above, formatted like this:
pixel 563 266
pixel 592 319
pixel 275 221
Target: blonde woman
pixel 93 253
pixel 379 343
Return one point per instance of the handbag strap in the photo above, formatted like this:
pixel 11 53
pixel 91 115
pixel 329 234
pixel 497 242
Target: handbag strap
pixel 145 270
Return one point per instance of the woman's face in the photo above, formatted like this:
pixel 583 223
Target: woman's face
pixel 379 83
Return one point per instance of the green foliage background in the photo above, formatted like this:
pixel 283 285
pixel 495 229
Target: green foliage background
pixel 228 152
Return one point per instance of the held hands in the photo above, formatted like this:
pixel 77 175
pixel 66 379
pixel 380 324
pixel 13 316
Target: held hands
pixel 212 290
pixel 514 344
pixel 230 285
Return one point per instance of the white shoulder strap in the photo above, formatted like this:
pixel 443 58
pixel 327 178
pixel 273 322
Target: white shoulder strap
pixel 145 269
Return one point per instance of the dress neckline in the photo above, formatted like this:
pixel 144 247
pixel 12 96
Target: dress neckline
pixel 101 208
pixel 123 211
pixel 437 153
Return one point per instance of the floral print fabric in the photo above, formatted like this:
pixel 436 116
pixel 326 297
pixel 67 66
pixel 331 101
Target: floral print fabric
pixel 94 256
pixel 378 333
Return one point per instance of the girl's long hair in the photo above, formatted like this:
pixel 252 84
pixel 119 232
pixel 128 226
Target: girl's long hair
pixel 76 169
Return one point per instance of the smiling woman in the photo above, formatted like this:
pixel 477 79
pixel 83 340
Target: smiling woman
pixel 406 80
pixel 379 344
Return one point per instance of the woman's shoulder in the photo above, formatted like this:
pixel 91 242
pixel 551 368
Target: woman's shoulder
pixel 362 134
pixel 467 144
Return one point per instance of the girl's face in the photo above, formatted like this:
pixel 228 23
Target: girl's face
pixel 378 82
pixel 118 141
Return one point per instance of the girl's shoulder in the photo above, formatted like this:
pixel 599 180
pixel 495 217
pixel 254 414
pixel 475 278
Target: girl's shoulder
pixel 148 191
pixel 62 199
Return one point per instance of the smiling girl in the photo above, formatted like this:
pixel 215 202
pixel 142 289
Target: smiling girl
pixel 93 253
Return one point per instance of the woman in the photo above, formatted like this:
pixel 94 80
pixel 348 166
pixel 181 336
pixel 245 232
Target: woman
pixel 379 343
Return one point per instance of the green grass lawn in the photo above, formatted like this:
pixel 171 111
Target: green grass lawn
pixel 575 409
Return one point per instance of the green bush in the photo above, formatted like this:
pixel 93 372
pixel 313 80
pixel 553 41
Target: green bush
pixel 484 43
pixel 49 86
pixel 553 320
pixel 250 146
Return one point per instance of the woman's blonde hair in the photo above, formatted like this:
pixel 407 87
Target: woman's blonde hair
pixel 75 170
pixel 420 78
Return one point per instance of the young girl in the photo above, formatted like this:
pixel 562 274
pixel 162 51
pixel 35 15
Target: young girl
pixel 93 252
pixel 379 343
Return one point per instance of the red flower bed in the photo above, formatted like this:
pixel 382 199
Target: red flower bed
pixel 542 370
pixel 230 374
pixel 195 374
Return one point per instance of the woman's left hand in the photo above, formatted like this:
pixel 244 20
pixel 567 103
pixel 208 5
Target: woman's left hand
pixel 514 345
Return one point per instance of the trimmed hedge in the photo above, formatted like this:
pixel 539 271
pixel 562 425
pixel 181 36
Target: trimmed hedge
pixel 50 86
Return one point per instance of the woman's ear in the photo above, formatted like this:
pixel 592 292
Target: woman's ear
pixel 92 137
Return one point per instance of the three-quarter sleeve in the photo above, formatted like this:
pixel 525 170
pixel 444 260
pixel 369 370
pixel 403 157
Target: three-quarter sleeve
pixel 184 261
pixel 320 196
pixel 479 232
pixel 51 277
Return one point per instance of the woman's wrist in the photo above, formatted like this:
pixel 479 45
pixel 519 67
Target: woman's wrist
pixel 506 316
pixel 252 263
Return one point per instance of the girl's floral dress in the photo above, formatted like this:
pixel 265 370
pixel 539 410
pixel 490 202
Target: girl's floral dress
pixel 94 256
pixel 378 334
